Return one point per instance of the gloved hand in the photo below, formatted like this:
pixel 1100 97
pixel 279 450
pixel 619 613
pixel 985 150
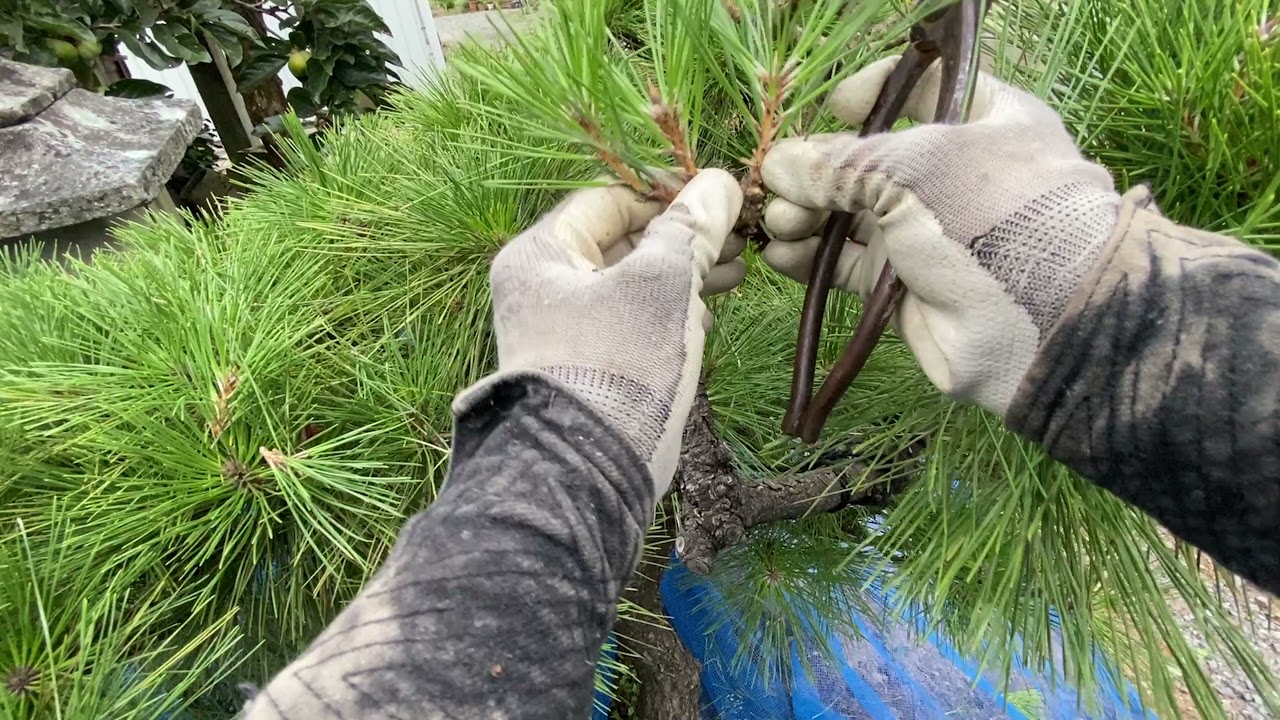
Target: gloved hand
pixel 991 225
pixel 602 295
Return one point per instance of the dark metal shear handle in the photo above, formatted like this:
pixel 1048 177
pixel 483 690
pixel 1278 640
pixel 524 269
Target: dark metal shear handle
pixel 952 35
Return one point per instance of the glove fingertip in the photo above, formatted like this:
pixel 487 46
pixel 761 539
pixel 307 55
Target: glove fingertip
pixel 700 218
pixel 791 166
pixel 724 277
pixel 792 259
pixel 853 98
pixel 733 247
pixel 716 191
pixel 788 221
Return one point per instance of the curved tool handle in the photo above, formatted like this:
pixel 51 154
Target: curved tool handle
pixel 876 314
pixel 951 34
pixel 838 227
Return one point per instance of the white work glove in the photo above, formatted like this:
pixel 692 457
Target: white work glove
pixel 991 225
pixel 602 295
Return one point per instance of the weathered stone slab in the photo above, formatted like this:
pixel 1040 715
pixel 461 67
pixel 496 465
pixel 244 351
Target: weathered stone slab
pixel 89 156
pixel 26 90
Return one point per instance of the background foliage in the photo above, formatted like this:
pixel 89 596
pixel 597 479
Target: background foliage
pixel 211 439
pixel 345 67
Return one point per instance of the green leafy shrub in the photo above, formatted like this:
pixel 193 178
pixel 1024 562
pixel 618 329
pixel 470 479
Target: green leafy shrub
pixel 345 68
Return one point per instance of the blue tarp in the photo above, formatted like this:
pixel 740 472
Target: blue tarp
pixel 890 669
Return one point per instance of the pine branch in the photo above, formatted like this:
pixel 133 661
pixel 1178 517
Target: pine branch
pixel 776 84
pixel 718 507
pixel 611 159
pixel 669 121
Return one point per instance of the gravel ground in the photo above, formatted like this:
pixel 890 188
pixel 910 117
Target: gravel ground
pixel 487 26
pixel 1260 621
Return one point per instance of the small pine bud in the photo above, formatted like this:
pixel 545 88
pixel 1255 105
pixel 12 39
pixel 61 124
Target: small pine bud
pixel 21 681
pixel 788 69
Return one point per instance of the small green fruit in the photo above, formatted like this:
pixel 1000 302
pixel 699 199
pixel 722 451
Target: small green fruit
pixel 66 52
pixel 298 62
pixel 89 51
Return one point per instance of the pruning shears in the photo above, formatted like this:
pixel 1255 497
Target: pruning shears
pixel 951 36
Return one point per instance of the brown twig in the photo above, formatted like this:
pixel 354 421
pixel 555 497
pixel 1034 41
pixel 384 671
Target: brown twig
pixel 878 311
pixel 620 168
pixel 815 307
pixel 667 117
pixel 776 84
pixel 840 226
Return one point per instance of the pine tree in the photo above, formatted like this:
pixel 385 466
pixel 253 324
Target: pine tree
pixel 211 439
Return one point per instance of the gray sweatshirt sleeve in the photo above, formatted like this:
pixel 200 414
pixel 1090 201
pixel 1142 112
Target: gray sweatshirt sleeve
pixel 496 600
pixel 1161 383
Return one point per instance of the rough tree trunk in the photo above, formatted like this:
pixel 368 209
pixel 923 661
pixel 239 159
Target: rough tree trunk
pixel 717 507
pixel 267 98
pixel 670 687
pixel 111 65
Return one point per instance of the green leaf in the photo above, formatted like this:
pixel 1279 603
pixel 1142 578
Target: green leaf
pixel 301 102
pixel 137 88
pixel 200 7
pixel 11 33
pixel 377 48
pixel 339 96
pixel 333 59
pixel 95 9
pixel 148 14
pixel 180 43
pixel 354 76
pixel 231 21
pixel 150 53
pixel 276 46
pixel 228 41
pixel 38 54
pixel 322 47
pixel 63 27
pixel 316 80
pixel 260 66
pixel 124 6
pixel 351 17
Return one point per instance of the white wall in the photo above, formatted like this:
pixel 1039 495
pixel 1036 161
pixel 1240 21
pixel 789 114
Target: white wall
pixel 413 37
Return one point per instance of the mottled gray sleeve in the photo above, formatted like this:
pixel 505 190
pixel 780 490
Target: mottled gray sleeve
pixel 1161 383
pixel 495 601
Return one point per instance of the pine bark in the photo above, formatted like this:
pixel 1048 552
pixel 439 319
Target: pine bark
pixel 267 99
pixel 718 507
pixel 668 675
